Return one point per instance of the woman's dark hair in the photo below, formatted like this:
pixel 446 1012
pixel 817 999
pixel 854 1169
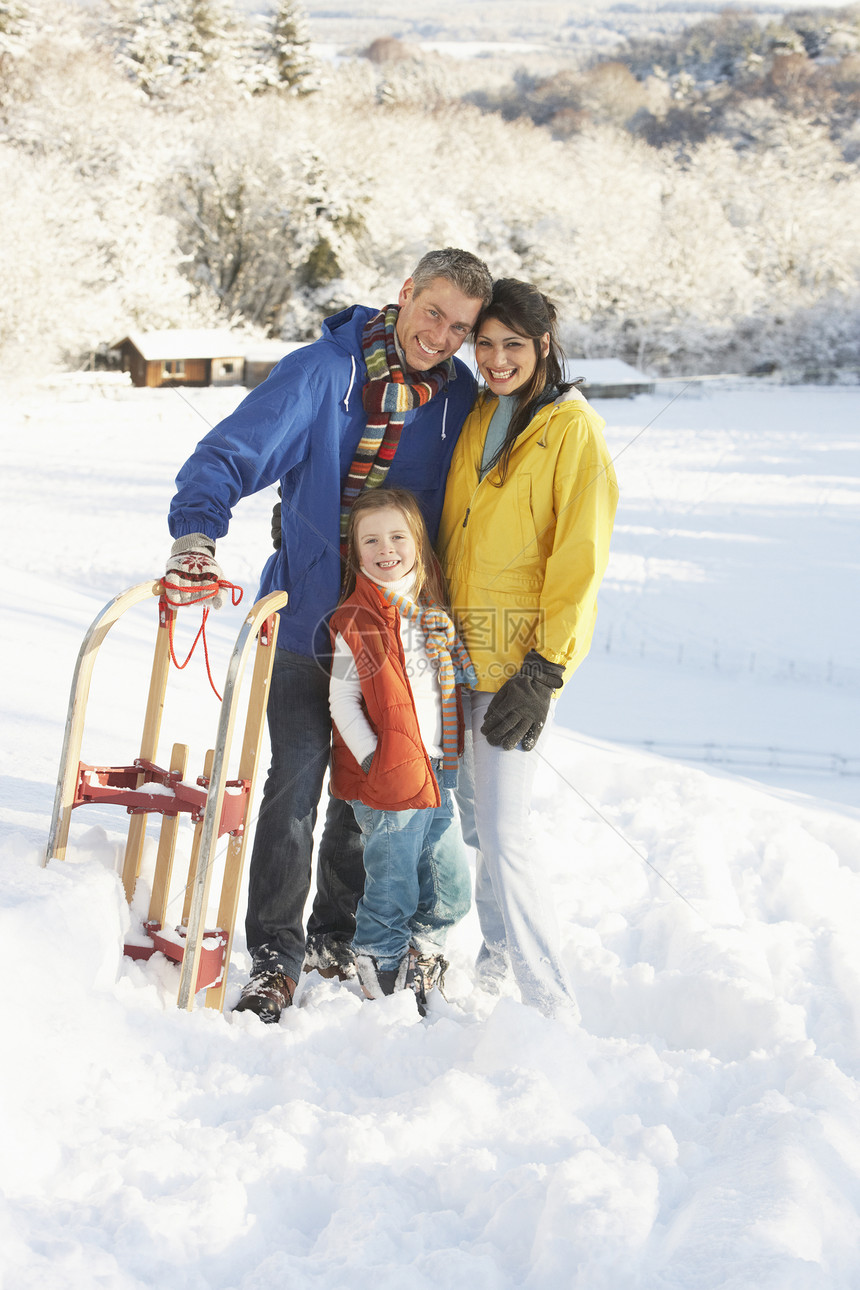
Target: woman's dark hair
pixel 527 311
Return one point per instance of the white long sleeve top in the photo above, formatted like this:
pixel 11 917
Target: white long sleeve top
pixel 345 700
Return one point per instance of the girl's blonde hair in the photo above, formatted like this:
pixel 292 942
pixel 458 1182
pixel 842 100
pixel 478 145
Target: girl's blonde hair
pixel 429 579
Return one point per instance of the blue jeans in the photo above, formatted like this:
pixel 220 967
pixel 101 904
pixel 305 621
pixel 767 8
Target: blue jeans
pixel 280 869
pixel 417 883
pixel 512 897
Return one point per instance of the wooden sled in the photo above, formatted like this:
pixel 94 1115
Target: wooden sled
pixel 217 805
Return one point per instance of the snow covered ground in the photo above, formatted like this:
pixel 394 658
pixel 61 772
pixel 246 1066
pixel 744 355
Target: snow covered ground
pixel 700 1131
pixel 493 28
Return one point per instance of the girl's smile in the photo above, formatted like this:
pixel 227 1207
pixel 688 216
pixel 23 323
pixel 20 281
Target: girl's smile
pixel 385 545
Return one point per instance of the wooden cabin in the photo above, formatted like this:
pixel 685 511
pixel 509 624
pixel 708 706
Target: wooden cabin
pixel 191 357
pixel 263 356
pixel 608 378
pixel 602 378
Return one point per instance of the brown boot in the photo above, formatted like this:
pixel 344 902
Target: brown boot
pixel 267 995
pixel 329 955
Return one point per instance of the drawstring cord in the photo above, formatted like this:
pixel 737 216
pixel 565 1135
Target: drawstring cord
pixel 351 383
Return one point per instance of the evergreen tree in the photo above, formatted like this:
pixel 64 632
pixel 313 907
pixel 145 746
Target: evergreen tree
pixel 152 44
pixel 212 31
pixel 166 43
pixel 283 57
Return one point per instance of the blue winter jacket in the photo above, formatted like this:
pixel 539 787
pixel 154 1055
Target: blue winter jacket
pixel 301 427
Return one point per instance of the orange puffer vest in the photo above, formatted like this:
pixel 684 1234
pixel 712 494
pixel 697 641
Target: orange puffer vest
pixel 401 777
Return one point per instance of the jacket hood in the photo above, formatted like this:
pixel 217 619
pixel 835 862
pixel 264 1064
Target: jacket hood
pixel 345 328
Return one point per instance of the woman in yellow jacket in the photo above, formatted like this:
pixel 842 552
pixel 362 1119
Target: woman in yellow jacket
pixel 524 541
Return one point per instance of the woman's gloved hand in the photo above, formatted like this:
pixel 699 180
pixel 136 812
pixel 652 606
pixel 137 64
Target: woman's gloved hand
pixel 517 713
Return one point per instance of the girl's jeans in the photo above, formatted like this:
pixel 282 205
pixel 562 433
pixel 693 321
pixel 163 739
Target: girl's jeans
pixel 512 896
pixel 416 884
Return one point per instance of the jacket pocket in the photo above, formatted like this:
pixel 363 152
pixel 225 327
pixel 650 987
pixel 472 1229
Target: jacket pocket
pixel 530 548
pixel 508 551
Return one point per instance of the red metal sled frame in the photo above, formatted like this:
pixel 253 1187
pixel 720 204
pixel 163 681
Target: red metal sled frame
pixel 217 806
pixel 212 953
pixel 146 789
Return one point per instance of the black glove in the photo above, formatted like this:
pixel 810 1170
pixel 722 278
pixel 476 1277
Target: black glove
pixel 276 523
pixel 517 713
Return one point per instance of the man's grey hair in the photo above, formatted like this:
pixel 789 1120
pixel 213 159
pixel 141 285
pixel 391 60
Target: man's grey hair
pixel 462 269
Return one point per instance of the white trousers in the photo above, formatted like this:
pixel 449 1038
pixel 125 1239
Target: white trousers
pixel 512 895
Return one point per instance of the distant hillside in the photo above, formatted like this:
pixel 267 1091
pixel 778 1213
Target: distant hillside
pixel 729 75
pixel 558 25
pixel 691 199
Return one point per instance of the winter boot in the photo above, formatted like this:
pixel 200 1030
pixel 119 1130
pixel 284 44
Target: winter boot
pixel 492 969
pixel 377 982
pixel 266 995
pixel 428 970
pixel 330 955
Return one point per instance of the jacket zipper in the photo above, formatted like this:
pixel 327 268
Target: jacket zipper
pixel 475 489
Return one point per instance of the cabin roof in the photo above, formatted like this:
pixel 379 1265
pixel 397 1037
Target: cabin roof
pixel 155 346
pixel 605 371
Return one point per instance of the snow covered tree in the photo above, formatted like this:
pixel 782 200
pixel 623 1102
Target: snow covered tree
pixel 281 53
pixel 266 229
pixel 152 43
pixel 155 187
pixel 167 43
pixel 212 35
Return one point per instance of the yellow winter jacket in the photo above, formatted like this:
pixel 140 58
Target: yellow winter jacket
pixel 524 561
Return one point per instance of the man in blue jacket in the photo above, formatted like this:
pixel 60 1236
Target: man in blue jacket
pixel 378 398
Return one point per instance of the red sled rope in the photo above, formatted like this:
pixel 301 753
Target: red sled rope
pixel 207 591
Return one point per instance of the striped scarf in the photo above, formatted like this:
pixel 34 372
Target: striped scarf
pixel 387 397
pixel 449 656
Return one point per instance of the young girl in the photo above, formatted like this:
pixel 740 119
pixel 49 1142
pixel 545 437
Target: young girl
pixel 397 734
pixel 524 540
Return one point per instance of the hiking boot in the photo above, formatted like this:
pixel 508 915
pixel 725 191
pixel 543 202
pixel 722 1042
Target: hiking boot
pixel 266 995
pixel 418 973
pixel 378 982
pixel 428 970
pixel 331 956
pixel 492 969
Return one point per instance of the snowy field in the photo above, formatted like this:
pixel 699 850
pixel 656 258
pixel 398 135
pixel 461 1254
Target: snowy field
pixel 499 28
pixel 700 1131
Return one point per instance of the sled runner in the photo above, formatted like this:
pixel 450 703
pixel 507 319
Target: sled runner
pixel 217 805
